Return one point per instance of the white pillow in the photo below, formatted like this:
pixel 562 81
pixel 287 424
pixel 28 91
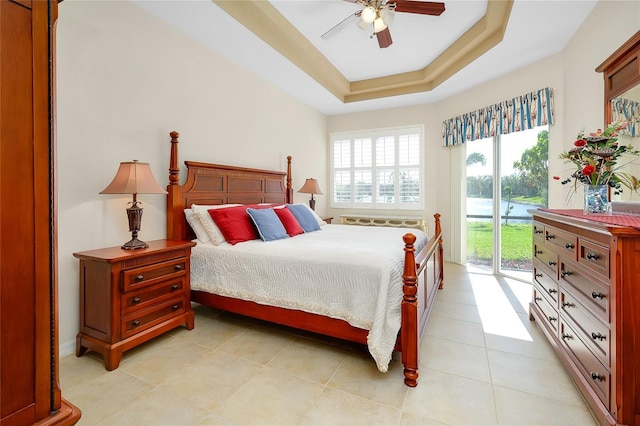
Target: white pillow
pixel 212 230
pixel 196 225
pixel 318 218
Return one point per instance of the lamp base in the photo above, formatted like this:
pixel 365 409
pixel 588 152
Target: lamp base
pixel 312 204
pixel 133 244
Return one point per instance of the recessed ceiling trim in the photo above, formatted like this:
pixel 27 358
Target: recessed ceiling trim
pixel 265 21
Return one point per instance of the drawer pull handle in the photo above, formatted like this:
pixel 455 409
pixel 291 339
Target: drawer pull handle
pixel 549 236
pixel 140 277
pixel 537 231
pixel 538 275
pixel 598 336
pixel 597 376
pixel 538 298
pixel 174 307
pixel 597 295
pixel 552 291
pixel 592 256
pixel 567 304
pixel 552 318
pixel 565 273
pixel 135 323
pixel 569 246
pixel 174 287
pixel 178 267
pixel 566 336
pixel 538 252
pixel 136 299
pixel 552 263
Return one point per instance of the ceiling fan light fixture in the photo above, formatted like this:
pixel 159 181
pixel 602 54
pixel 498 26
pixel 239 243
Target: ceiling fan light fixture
pixel 379 25
pixel 368 14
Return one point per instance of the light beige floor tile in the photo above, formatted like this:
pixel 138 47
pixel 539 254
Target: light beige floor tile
pixel 164 360
pixel 523 409
pixel 359 375
pixel 103 395
pixel 211 379
pixel 456 330
pixel 74 371
pixel 212 332
pixel 157 407
pixel 532 375
pixel 336 407
pixel 447 294
pixel 534 344
pixel 271 397
pixel 451 399
pixel 259 345
pixel 309 359
pixel 454 358
pixel 409 419
pixel 457 311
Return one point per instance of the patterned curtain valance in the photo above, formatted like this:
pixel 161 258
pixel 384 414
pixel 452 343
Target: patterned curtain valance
pixel 522 113
pixel 626 110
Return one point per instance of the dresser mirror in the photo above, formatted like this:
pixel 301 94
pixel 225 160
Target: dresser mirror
pixel 621 73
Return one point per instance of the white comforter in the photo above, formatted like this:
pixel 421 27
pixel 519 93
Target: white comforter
pixel 348 272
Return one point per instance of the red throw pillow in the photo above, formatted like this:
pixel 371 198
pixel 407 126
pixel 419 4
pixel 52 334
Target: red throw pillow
pixel 235 223
pixel 289 221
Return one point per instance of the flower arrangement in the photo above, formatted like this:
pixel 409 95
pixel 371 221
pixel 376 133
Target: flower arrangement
pixel 598 161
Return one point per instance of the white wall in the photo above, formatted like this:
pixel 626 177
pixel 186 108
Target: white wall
pixel 124 81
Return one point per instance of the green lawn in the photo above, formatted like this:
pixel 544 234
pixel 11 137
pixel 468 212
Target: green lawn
pixel 516 244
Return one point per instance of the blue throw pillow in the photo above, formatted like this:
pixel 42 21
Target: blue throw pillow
pixel 304 217
pixel 269 226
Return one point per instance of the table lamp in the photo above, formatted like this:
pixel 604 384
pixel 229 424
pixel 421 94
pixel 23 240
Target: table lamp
pixel 134 178
pixel 311 187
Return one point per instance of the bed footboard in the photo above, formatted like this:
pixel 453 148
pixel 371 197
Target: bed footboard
pixel 423 275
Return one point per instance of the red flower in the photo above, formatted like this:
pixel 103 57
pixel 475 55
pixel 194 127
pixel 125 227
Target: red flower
pixel 580 142
pixel 556 177
pixel 588 170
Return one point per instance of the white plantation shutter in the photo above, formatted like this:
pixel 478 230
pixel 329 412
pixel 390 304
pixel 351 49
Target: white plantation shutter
pixel 377 169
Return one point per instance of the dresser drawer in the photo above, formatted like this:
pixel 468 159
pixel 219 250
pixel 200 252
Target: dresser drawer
pixel 550 314
pixel 151 295
pixel 566 243
pixel 594 257
pixel 596 375
pixel 546 257
pixel 592 294
pixel 144 319
pixel 133 279
pixel 545 283
pixel 594 331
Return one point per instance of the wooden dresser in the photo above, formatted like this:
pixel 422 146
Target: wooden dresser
pixel 130 296
pixel 586 300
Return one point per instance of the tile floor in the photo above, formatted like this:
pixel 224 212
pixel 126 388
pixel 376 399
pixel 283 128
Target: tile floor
pixel 482 363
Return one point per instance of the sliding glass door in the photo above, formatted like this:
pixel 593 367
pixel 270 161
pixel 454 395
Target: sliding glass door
pixel 506 176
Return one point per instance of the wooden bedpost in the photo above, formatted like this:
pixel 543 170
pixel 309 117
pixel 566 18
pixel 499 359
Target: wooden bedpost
pixel 289 193
pixel 440 250
pixel 175 224
pixel 409 330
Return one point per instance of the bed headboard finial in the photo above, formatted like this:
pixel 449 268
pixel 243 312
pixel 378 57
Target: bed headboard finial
pixel 174 169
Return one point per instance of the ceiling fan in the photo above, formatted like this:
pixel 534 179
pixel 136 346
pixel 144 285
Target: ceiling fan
pixel 378 13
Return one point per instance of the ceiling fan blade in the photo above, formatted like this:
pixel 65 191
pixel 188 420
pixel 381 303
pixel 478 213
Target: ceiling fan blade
pixel 336 28
pixel 421 7
pixel 384 38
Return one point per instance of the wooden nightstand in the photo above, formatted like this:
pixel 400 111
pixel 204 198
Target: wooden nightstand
pixel 327 219
pixel 130 296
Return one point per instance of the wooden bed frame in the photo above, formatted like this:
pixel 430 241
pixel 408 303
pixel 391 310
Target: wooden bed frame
pixel 219 184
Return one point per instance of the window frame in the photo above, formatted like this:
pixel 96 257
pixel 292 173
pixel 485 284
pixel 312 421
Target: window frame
pixel 352 169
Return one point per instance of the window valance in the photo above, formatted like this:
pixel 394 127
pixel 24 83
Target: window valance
pixel 513 115
pixel 627 110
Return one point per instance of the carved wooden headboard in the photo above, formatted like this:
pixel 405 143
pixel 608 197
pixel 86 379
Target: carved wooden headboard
pixel 219 184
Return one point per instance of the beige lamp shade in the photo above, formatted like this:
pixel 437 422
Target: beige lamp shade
pixel 310 187
pixel 134 177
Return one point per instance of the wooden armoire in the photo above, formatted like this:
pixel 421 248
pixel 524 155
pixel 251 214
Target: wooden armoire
pixel 29 382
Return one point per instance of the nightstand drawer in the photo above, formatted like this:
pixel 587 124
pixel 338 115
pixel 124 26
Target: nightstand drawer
pixel 142 320
pixel 132 279
pixel 148 296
